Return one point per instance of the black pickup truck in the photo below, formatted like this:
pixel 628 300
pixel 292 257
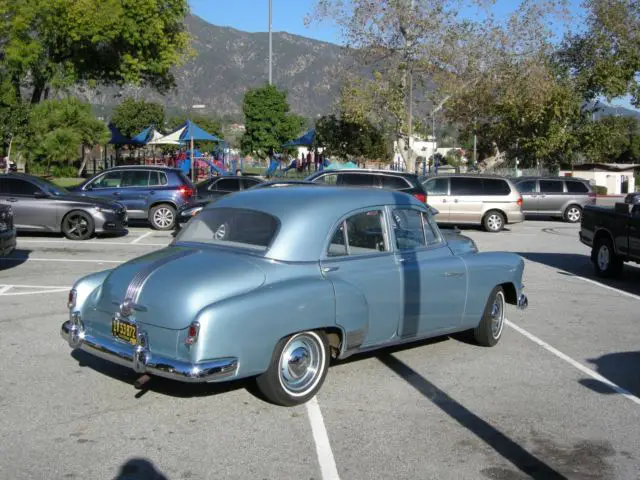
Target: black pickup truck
pixel 613 235
pixel 7 231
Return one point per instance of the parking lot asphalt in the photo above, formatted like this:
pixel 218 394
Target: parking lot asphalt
pixel 556 398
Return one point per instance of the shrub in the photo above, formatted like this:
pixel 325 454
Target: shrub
pixel 601 190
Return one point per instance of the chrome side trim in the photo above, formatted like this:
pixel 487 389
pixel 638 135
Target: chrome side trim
pixel 141 360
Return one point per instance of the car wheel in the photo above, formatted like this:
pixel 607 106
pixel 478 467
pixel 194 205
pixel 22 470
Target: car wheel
pixel 489 331
pixel 297 370
pixel 162 217
pixel 493 221
pixel 573 214
pixel 78 225
pixel 606 262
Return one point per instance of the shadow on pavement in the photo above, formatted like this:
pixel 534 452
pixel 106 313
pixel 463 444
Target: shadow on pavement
pixel 17 258
pixel 574 264
pixel 139 469
pixel 503 445
pixel 620 368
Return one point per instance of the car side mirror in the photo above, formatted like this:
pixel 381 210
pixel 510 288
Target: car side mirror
pixel 40 194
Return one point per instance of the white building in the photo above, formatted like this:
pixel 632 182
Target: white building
pixel 617 177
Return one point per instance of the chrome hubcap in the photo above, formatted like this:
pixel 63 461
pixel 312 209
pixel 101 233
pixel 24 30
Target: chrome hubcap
pixel 604 257
pixel 494 222
pixel 497 315
pixel 301 363
pixel 573 214
pixel 163 217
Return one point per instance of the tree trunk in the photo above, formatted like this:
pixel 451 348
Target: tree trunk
pixel 408 156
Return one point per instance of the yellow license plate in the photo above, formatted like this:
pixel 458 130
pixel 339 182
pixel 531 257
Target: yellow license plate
pixel 124 331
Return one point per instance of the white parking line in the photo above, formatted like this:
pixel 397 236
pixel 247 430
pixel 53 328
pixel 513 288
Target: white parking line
pixel 136 240
pixel 4 289
pixel 80 260
pixel 328 468
pixel 37 292
pixel 616 388
pixel 613 289
pixel 88 243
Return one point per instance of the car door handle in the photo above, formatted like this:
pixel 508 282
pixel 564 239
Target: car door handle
pixel 455 201
pixel 117 194
pixel 453 274
pixel 329 269
pixel 13 200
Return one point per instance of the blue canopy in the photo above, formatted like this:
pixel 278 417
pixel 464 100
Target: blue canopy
pixel 191 130
pixel 305 140
pixel 143 137
pixel 116 137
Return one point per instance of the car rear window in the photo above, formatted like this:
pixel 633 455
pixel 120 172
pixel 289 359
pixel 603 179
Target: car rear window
pixel 576 187
pixel 183 178
pixel 236 227
pixel 395 183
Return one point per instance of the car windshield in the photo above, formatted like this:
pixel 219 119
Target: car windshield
pixel 52 188
pixel 234 227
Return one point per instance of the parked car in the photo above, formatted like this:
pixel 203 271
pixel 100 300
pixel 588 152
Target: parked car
pixel 357 177
pixel 41 206
pixel 613 235
pixel 474 199
pixel 217 187
pixel 276 281
pixel 555 196
pixel 7 231
pixel 152 193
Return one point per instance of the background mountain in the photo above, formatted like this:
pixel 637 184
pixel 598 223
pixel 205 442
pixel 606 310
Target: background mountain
pixel 230 61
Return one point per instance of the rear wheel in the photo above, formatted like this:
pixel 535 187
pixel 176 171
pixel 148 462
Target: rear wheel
pixel 77 225
pixel 297 370
pixel 606 262
pixel 493 221
pixel 162 217
pixel 489 331
pixel 573 214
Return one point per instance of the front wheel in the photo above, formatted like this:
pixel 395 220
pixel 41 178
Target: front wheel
pixel 607 264
pixel 489 330
pixel 493 221
pixel 162 217
pixel 78 225
pixel 297 370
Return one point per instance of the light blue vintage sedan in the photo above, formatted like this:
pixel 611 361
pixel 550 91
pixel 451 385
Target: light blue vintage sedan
pixel 272 283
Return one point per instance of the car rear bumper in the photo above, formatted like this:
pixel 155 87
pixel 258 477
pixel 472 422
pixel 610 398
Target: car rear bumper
pixel 515 217
pixel 142 360
pixel 7 242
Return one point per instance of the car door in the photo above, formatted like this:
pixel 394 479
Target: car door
pixel 134 192
pixel 434 280
pixel 529 191
pixel 466 200
pixel 365 275
pixel 106 186
pixel 551 197
pixel 30 212
pixel 438 197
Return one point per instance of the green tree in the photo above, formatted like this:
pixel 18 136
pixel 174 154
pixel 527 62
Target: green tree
pixel 268 121
pixel 131 116
pixel 611 140
pixel 345 139
pixel 55 43
pixel 57 130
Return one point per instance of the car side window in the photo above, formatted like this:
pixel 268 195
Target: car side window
pixel 576 187
pixel 157 179
pixel 528 186
pixel 437 186
pixel 17 186
pixel 135 178
pixel 360 234
pixel 466 186
pixel 551 186
pixel 408 229
pixel 358 180
pixel 108 180
pixel 431 230
pixel 495 187
pixel 329 179
pixel 394 183
pixel 338 245
pixel 250 182
pixel 227 185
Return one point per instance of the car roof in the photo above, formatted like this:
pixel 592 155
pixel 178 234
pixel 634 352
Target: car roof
pixel 377 171
pixel 473 175
pixel 548 177
pixel 308 214
pixel 142 167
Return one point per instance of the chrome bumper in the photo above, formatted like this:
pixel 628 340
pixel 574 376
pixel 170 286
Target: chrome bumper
pixel 523 302
pixel 141 360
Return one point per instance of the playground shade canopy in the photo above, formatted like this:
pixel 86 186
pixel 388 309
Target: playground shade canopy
pixel 184 134
pixel 305 140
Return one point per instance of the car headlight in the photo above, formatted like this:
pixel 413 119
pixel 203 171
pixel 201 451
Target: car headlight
pixel 103 210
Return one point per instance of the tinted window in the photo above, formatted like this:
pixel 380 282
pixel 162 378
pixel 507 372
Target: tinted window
pixel 576 187
pixel 109 180
pixel 364 233
pixel 157 179
pixel 135 178
pixel 330 179
pixel 437 186
pixel 528 186
pixel 551 186
pixel 357 179
pixel 227 185
pixel 231 226
pixel 17 186
pixel 408 229
pixel 466 186
pixel 250 182
pixel 395 183
pixel 495 186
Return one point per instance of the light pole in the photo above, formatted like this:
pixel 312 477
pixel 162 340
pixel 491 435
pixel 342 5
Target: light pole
pixel 270 46
pixel 193 160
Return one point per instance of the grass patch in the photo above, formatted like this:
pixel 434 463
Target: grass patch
pixel 67 182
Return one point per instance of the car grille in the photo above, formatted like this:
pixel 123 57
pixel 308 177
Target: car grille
pixel 6 220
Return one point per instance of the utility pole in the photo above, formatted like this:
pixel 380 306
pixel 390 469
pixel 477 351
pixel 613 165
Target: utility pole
pixel 270 47
pixel 410 117
pixel 475 148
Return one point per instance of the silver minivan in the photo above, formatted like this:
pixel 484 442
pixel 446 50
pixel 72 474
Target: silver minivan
pixel 473 199
pixel 555 196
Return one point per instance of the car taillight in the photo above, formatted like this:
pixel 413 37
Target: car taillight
pixel 192 333
pixel 185 191
pixel 592 195
pixel 421 196
pixel 519 201
pixel 73 294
